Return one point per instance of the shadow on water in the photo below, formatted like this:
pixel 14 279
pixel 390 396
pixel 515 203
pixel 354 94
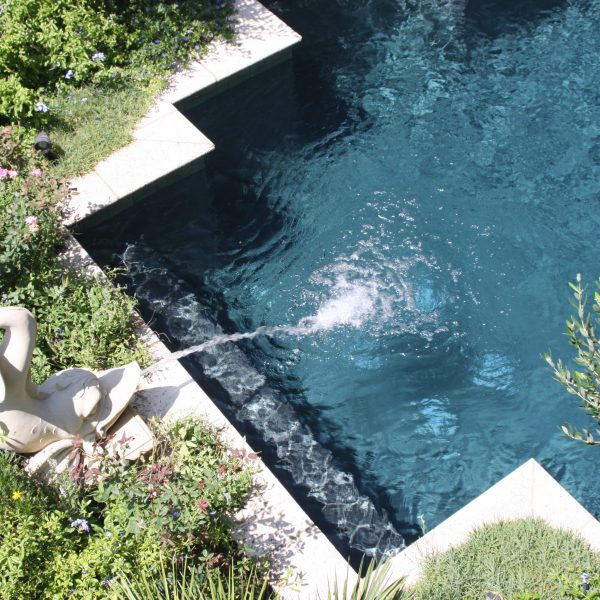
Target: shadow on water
pixel 492 18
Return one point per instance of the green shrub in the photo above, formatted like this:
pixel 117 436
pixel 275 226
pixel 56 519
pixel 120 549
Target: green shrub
pixel 30 231
pixel 50 45
pixel 82 320
pixel 45 42
pixel 522 559
pixel 70 540
pixel 584 384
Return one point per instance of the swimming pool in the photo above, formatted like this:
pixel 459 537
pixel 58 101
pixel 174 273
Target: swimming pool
pixel 415 190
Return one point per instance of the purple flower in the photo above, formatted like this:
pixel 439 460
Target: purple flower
pixel 81 525
pixel 41 107
pixel 98 56
pixel 585 582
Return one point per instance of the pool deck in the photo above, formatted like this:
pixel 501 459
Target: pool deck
pixel 167 147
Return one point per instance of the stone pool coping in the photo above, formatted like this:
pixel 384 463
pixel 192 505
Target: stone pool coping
pixel 529 491
pixel 167 147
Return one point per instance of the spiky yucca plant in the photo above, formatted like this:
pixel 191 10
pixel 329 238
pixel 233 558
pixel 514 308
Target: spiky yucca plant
pixel 373 586
pixel 182 582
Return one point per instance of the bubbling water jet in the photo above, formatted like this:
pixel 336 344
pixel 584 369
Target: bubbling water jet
pixel 351 308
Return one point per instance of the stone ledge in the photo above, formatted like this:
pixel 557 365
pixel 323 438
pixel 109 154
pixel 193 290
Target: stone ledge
pixel 166 146
pixel 528 491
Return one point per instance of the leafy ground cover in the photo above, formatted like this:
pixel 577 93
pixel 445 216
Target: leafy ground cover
pixel 49 46
pixel 84 71
pixel 82 320
pixel 521 560
pixel 70 539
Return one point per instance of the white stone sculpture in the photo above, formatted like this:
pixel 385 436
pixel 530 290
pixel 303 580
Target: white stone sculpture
pixel 75 404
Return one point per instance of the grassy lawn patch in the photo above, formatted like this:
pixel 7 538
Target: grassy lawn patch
pixel 522 560
pixel 87 71
pixel 93 122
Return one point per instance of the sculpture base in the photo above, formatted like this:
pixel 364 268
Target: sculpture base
pixel 129 438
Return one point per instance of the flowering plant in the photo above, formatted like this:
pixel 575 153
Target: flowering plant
pixel 47 46
pixel 72 540
pixel 58 37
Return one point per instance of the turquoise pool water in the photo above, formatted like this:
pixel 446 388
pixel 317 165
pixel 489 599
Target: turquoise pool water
pixel 415 189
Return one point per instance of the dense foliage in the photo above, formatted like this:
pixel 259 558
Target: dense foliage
pixel 48 46
pixel 524 559
pixel 584 384
pixel 70 539
pixel 82 320
pixel 87 71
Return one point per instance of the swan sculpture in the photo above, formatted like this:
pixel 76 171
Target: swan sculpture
pixel 72 404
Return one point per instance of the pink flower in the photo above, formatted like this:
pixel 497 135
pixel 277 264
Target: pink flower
pixel 7 173
pixel 35 172
pixel 32 224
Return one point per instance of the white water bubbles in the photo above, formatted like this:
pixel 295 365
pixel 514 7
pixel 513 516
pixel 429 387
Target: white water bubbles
pixel 351 304
pixel 370 291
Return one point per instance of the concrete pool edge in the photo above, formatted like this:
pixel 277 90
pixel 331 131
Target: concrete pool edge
pixel 528 491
